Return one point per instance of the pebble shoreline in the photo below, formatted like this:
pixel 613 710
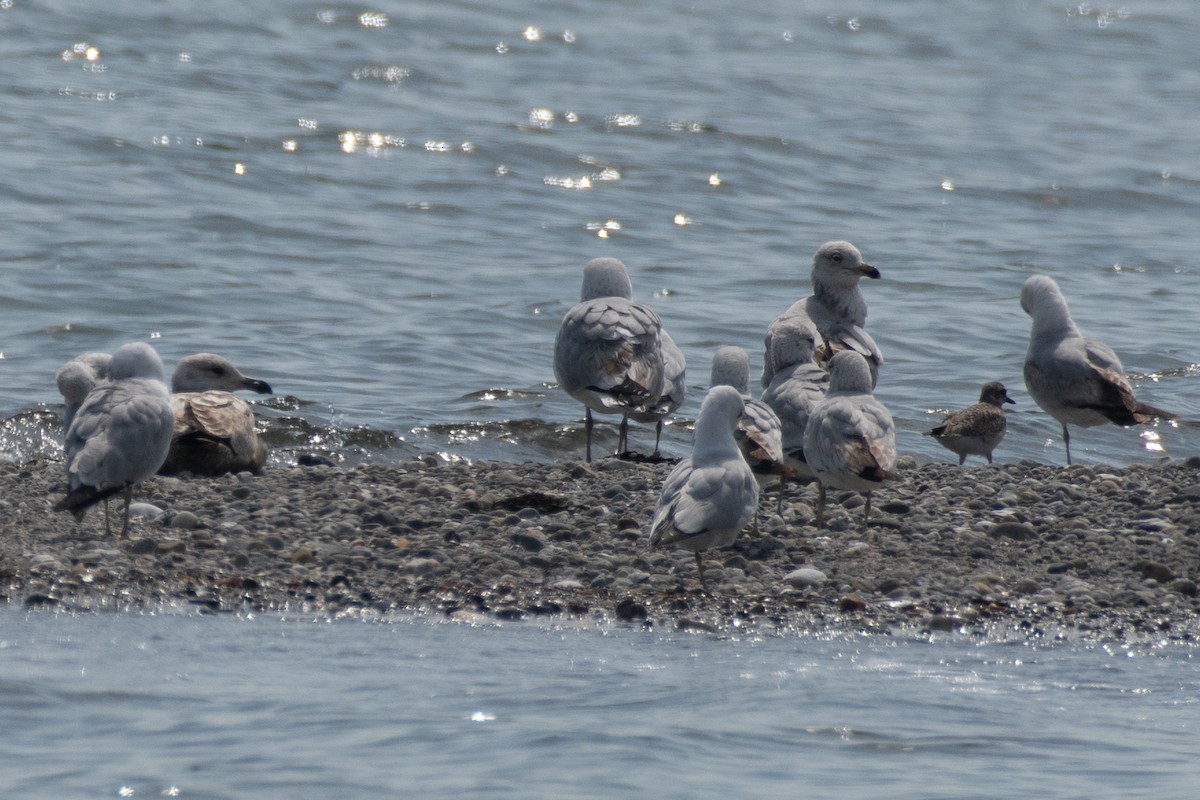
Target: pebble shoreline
pixel 1016 549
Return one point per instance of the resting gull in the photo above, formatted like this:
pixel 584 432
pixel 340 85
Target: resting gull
pixel 836 308
pixel 214 429
pixel 850 442
pixel 797 385
pixel 758 434
pixel 708 498
pixel 1074 378
pixel 611 354
pixel 976 429
pixel 120 434
pixel 78 377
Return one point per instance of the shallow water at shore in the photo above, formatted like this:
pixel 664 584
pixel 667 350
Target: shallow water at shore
pixel 188 705
pixel 384 213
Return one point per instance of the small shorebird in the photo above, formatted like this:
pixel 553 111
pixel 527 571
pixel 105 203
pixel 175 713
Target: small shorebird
pixel 120 434
pixel 976 429
pixel 1076 379
pixel 836 308
pixel 850 442
pixel 611 354
pixel 709 498
pixel 214 430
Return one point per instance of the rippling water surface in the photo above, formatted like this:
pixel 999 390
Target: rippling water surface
pixel 203 707
pixel 383 210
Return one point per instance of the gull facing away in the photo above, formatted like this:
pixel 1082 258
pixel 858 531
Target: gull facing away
pixel 78 377
pixel 850 441
pixel 797 385
pixel 610 355
pixel 120 434
pixel 759 434
pixel 1076 379
pixel 214 430
pixel 836 308
pixel 976 429
pixel 708 498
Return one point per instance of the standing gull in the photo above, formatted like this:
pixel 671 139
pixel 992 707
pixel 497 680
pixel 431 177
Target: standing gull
pixel 977 429
pixel 707 499
pixel 214 430
pixel 758 434
pixel 836 308
pixel 797 385
pixel 78 377
pixel 609 354
pixel 1074 378
pixel 120 434
pixel 850 442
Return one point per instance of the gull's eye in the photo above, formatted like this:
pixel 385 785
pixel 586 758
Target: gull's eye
pixel 837 257
pixel 218 370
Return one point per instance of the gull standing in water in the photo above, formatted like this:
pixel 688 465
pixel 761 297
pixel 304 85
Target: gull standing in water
pixel 976 429
pixel 836 308
pixel 709 498
pixel 78 377
pixel 850 441
pixel 797 385
pixel 214 430
pixel 120 434
pixel 758 434
pixel 610 355
pixel 1074 378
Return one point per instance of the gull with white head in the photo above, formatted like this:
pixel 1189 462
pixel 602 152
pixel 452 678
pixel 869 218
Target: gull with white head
pixel 759 434
pixel 611 354
pixel 120 434
pixel 709 498
pixel 1076 379
pixel 797 386
pixel 77 378
pixel 836 308
pixel 850 441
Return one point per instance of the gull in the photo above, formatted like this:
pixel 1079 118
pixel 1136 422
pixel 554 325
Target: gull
pixel 796 386
pixel 120 434
pixel 78 377
pixel 708 498
pixel 612 355
pixel 758 434
pixel 976 429
pixel 836 308
pixel 850 442
pixel 214 430
pixel 1075 378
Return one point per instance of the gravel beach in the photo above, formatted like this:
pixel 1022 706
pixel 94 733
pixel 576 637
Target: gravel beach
pixel 1016 549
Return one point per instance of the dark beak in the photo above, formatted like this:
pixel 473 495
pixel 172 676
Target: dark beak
pixel 870 271
pixel 254 385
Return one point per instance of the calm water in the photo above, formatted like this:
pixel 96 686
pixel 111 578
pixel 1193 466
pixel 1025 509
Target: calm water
pixel 201 707
pixel 383 210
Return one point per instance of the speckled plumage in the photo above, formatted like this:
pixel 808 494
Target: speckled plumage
pixel 836 308
pixel 214 430
pixel 611 353
pixel 978 428
pixel 850 441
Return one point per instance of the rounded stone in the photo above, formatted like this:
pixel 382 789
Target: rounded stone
pixel 805 577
